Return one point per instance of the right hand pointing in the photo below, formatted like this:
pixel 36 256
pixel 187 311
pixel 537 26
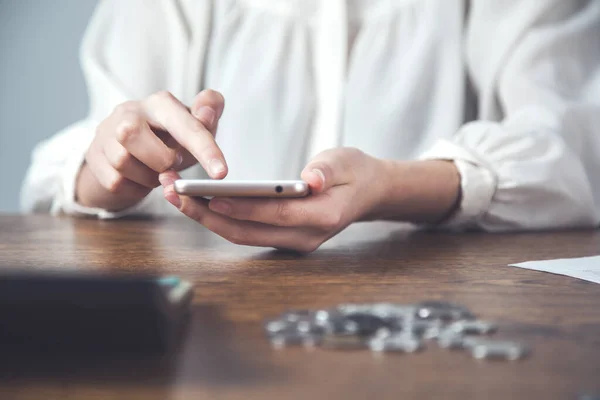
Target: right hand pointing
pixel 141 139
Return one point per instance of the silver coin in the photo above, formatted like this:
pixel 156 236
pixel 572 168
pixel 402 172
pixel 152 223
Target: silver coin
pixel 402 342
pixel 498 349
pixel 275 326
pixel 442 310
pixel 473 327
pixel 451 340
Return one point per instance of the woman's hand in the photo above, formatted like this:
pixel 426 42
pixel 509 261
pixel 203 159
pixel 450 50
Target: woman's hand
pixel 345 185
pixel 141 139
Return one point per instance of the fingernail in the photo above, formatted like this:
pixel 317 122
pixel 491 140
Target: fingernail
pixel 165 180
pixel 178 160
pixel 320 174
pixel 216 167
pixel 220 206
pixel 206 115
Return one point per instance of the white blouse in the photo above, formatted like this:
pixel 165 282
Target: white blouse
pixel 399 79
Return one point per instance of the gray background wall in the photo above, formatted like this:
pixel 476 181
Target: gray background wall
pixel 41 86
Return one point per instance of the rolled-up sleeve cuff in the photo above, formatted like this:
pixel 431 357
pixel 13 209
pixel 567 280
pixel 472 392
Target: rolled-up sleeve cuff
pixel 64 201
pixel 478 182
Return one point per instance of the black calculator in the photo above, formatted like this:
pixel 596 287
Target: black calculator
pixel 82 312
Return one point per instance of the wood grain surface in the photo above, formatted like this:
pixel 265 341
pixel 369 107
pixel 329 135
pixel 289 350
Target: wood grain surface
pixel 225 354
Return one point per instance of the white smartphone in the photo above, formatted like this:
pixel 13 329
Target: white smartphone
pixel 215 188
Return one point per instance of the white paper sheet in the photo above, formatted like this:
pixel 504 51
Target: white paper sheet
pixel 586 268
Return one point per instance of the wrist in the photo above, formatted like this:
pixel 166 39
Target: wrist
pixel 417 191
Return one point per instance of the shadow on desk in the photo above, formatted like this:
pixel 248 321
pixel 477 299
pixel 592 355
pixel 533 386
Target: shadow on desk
pixel 208 355
pixel 382 242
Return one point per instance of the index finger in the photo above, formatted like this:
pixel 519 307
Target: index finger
pixel 315 211
pixel 166 112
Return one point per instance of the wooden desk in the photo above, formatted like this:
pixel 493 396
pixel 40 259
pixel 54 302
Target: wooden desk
pixel 227 356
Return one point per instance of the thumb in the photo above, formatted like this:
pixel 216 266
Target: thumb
pixel 208 108
pixel 167 180
pixel 168 177
pixel 327 169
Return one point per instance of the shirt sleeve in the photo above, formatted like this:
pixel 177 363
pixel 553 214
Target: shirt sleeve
pixel 130 50
pixel 530 160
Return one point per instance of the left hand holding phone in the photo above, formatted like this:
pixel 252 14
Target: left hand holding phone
pixel 345 188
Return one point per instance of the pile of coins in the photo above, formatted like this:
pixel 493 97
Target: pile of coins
pixel 388 327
